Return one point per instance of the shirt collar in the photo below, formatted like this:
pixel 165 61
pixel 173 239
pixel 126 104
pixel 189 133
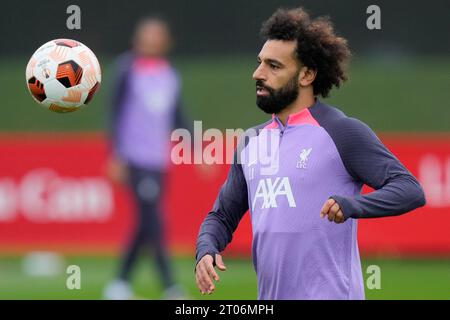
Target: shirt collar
pixel 303 116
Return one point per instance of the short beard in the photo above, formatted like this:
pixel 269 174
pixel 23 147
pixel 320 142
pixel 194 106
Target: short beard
pixel 277 100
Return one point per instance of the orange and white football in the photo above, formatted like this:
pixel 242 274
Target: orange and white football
pixel 63 75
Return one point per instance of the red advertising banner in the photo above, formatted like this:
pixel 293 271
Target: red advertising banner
pixel 54 196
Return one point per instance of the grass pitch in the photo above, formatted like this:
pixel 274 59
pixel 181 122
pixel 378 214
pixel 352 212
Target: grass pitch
pixel 400 279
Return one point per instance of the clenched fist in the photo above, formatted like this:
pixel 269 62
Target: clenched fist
pixel 333 210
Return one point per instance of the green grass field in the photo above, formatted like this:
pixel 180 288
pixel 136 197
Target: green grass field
pixel 400 95
pixel 400 279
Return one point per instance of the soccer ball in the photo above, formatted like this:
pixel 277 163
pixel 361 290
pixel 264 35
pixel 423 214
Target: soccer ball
pixel 63 75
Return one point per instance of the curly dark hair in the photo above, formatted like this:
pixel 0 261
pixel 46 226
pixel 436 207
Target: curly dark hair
pixel 318 47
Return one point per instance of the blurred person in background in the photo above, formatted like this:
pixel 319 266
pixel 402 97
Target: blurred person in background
pixel 145 109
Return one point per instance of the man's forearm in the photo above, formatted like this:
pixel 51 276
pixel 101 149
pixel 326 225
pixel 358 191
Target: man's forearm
pixel 402 194
pixel 213 236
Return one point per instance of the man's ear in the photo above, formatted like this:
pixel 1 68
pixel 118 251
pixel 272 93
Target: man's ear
pixel 306 76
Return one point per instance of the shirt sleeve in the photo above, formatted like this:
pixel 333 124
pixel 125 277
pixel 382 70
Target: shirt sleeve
pixel 230 206
pixel 181 120
pixel 115 100
pixel 367 160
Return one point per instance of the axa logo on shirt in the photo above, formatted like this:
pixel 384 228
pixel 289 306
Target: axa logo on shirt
pixel 268 191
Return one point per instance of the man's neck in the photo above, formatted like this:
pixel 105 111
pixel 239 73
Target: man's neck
pixel 298 105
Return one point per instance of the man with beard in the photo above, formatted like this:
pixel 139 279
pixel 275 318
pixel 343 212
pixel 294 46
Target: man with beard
pixel 319 161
